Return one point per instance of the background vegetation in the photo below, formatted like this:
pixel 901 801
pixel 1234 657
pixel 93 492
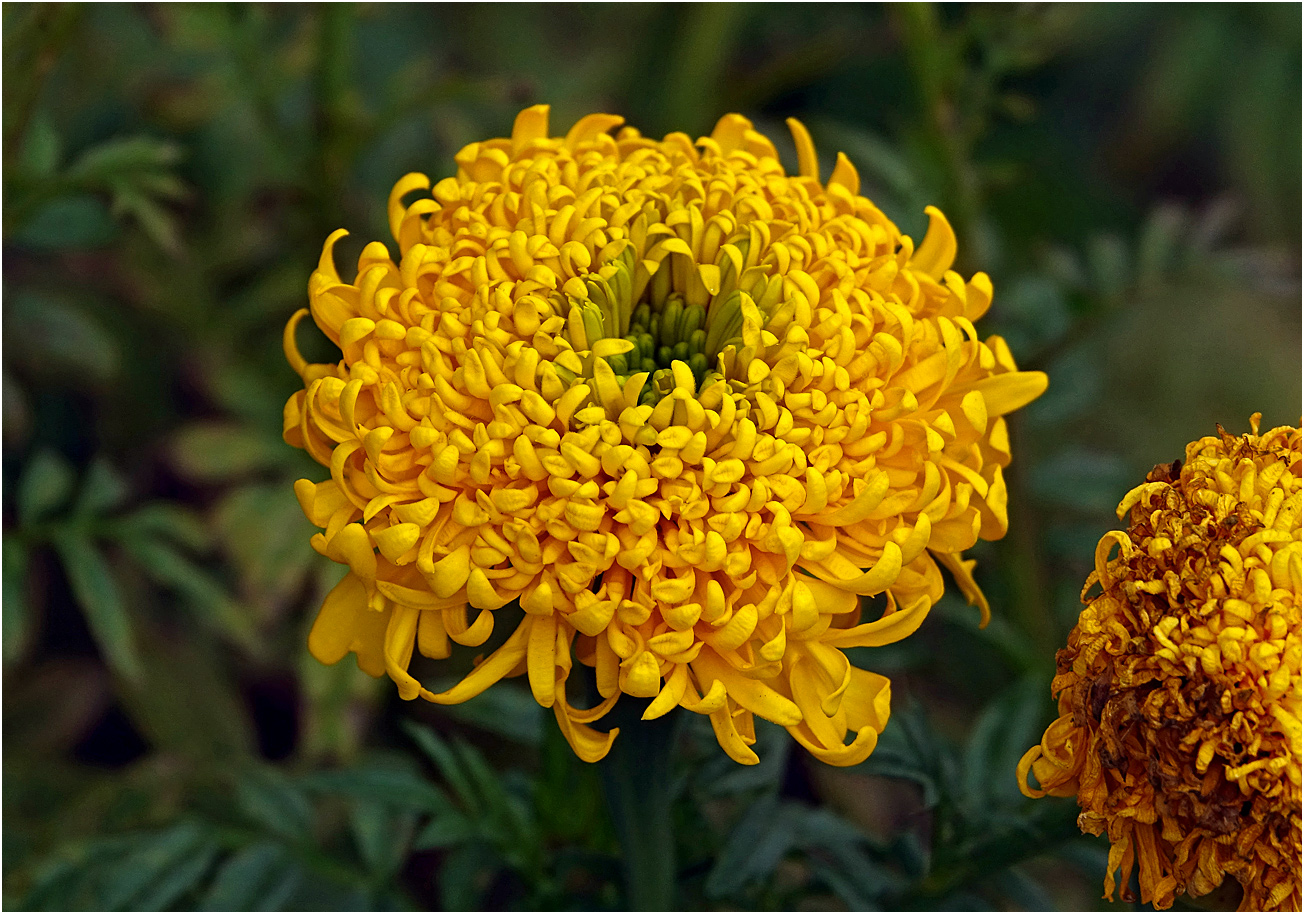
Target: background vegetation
pixel 1128 175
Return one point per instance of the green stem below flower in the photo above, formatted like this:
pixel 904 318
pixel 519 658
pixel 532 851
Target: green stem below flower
pixel 637 781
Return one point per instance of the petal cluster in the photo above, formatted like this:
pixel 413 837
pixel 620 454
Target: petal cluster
pixel 681 408
pixel 1179 690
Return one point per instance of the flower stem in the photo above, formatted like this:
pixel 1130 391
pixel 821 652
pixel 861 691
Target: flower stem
pixel 636 778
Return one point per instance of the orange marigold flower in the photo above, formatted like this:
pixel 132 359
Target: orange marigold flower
pixel 1179 691
pixel 682 408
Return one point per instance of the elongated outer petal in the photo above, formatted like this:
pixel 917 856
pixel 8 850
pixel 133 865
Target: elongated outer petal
pixel 751 694
pixel 937 252
pixel 887 630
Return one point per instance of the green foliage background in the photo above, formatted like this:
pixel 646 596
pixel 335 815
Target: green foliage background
pixel 1128 175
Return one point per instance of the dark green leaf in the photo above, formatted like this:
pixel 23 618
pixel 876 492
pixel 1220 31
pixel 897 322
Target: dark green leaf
pixel 269 798
pixel 97 593
pixel 168 520
pixel 257 878
pixel 773 746
pixel 446 760
pixel 41 151
pixel 382 834
pixel 446 830
pixel 1007 727
pixel 53 337
pixel 44 487
pixel 164 894
pixel 169 567
pixel 17 620
pixel 215 452
pixel 102 490
pixel 148 862
pixel 123 156
pixel 506 710
pixel 401 789
pixel 466 875
pixel 68 222
pixel 764 835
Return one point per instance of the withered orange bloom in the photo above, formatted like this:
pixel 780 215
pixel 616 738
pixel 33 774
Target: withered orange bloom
pixel 1179 691
pixel 680 407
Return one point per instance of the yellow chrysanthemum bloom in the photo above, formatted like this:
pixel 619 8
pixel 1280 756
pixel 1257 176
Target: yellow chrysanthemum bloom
pixel 682 407
pixel 1179 691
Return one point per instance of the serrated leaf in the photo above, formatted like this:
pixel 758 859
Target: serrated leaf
pixel 98 595
pixel 44 487
pixel 17 620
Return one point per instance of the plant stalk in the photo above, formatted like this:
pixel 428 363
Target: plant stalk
pixel 637 782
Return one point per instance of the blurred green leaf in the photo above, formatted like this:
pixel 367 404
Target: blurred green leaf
pixel 154 220
pixel 1007 727
pixel 168 521
pixel 44 487
pixel 507 711
pixel 72 878
pixel 216 451
pixel 53 337
pixel 465 876
pixel 263 530
pixel 388 786
pixel 762 837
pixel 165 564
pixel 1082 480
pixel 207 720
pixel 41 148
pixel 382 834
pixel 906 749
pixel 446 830
pixel 269 798
pixel 447 761
pixel 102 490
pixel 67 222
pixel 150 862
pixel 17 621
pixel 259 877
pixel 123 156
pixel 98 595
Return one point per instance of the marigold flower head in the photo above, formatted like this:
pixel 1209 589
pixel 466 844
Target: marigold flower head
pixel 1179 690
pixel 681 407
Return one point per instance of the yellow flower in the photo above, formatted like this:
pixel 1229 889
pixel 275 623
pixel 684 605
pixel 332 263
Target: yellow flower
pixel 1179 691
pixel 681 407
